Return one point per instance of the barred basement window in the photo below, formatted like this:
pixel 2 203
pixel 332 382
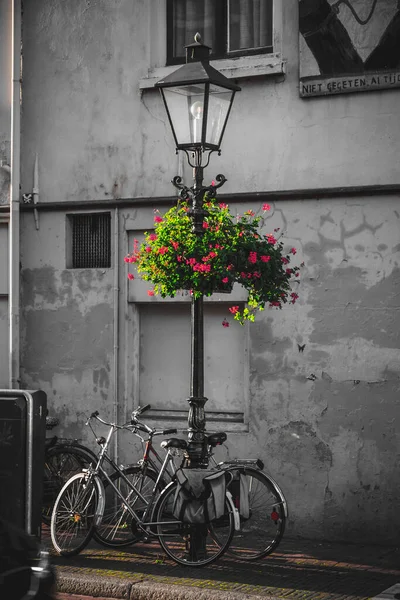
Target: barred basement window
pixel 90 241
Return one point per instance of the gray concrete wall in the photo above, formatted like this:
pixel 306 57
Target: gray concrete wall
pixel 323 419
pixel 5 136
pixel 5 97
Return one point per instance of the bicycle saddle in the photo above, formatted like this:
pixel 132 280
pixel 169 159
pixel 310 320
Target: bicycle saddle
pixel 174 443
pixel 216 439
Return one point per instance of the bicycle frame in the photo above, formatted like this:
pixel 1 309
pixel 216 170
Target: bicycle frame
pixel 165 466
pixel 94 472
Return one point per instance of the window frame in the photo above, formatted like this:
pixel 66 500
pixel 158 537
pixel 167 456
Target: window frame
pixel 222 52
pixel 234 67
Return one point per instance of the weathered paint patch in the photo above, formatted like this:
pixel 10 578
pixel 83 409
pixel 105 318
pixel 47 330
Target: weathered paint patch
pixel 66 340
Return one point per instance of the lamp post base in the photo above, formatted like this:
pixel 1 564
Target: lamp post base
pixel 196 457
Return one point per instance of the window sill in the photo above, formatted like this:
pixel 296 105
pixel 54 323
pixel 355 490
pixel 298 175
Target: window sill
pixel 216 421
pixel 242 67
pixel 138 293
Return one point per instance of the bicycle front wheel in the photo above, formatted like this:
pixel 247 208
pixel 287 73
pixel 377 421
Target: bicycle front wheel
pixel 262 529
pixel 74 512
pixel 118 528
pixel 187 544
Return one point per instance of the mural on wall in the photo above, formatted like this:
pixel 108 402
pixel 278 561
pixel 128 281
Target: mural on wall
pixel 348 46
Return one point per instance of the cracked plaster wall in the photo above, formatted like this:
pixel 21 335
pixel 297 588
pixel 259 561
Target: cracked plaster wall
pixel 84 59
pixel 67 328
pixel 325 374
pixel 322 418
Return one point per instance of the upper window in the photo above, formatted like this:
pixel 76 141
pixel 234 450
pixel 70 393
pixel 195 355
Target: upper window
pixel 231 27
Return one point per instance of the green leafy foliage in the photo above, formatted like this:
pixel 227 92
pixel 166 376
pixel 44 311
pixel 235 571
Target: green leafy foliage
pixel 229 250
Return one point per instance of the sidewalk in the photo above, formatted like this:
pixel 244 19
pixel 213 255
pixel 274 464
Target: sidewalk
pixel 297 569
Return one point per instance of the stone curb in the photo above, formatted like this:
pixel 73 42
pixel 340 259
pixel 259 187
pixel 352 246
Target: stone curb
pixel 113 587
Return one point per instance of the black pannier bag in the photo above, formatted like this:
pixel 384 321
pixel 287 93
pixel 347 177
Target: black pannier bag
pixel 200 495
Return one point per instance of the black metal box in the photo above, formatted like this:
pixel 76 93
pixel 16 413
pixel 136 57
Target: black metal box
pixel 22 437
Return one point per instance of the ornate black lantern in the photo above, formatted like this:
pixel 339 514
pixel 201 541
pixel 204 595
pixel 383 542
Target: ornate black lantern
pixel 198 100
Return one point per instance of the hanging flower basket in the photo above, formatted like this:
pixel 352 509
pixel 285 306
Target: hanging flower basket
pixel 229 250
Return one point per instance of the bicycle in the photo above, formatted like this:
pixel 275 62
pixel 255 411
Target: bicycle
pixel 79 509
pixel 261 528
pixel 63 458
pixel 116 529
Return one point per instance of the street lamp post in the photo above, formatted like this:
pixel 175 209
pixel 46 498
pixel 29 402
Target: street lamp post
pixel 198 100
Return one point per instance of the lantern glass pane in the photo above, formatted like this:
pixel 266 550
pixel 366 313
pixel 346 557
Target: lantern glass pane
pixel 218 109
pixel 185 106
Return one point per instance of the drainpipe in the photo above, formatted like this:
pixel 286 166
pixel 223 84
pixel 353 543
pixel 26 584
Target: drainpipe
pixel 116 328
pixel 14 228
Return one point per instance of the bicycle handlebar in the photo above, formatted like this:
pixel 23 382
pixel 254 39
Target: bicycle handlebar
pixel 134 425
pixel 95 415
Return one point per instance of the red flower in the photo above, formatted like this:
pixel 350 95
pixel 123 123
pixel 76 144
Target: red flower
pixel 276 303
pixel 252 257
pixel 225 323
pixel 265 258
pixel 152 237
pixel 163 250
pixel 148 249
pixel 127 259
pixel 233 309
pixel 289 271
pixel 285 260
pixel 130 276
pixel 293 251
pixel 205 225
pixel 266 207
pixel 150 292
pixel 271 239
pixel 158 219
pixel 223 205
pixel 225 280
pixel 175 245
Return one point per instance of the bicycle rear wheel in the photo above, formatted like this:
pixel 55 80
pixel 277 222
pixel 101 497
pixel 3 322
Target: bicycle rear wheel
pixel 61 463
pixel 74 513
pixel 262 531
pixel 187 544
pixel 117 527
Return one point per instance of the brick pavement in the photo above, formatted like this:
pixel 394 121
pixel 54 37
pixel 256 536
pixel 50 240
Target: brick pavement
pixel 298 569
